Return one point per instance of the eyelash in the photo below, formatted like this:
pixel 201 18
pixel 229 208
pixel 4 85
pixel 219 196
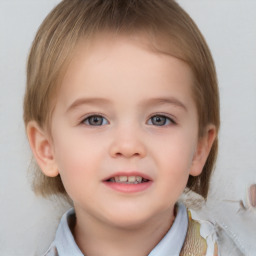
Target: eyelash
pixel 86 120
pixel 167 120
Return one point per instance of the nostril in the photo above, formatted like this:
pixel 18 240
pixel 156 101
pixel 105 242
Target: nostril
pixel 122 147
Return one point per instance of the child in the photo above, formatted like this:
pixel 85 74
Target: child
pixel 122 114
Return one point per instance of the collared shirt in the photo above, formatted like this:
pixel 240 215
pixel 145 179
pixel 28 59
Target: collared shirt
pixel 170 245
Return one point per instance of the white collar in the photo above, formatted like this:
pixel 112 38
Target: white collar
pixel 170 245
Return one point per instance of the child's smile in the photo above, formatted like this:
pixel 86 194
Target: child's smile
pixel 125 132
pixel 128 182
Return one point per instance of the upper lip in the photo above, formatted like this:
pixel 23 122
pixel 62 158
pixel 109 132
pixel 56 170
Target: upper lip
pixel 132 173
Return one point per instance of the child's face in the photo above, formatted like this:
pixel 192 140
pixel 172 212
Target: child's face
pixel 124 110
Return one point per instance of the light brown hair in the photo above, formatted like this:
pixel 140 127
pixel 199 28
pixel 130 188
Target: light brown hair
pixel 164 21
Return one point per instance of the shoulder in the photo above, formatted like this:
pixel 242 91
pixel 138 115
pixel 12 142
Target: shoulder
pixel 201 238
pixel 64 243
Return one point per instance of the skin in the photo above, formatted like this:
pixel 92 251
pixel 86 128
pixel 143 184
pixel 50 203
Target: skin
pixel 126 84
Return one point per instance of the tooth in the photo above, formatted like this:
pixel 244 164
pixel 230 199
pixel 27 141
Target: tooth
pixel 116 179
pixel 138 178
pixel 123 178
pixel 112 179
pixel 131 179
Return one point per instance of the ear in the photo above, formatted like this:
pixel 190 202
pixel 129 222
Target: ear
pixel 42 148
pixel 202 150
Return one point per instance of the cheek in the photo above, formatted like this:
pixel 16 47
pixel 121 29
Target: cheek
pixel 177 152
pixel 76 159
pixel 79 153
pixel 77 172
pixel 174 161
pixel 72 149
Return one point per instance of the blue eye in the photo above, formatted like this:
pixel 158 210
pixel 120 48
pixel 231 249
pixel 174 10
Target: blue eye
pixel 160 120
pixel 95 120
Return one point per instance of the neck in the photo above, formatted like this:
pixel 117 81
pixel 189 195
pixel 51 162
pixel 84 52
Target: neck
pixel 97 238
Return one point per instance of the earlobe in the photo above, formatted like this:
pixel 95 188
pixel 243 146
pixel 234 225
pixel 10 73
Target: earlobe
pixel 202 151
pixel 42 149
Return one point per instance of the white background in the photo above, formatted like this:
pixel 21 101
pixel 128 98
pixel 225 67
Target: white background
pixel 28 223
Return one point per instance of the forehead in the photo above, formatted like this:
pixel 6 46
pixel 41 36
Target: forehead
pixel 128 65
pixel 106 48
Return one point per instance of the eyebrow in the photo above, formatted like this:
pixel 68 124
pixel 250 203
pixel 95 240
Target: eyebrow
pixel 146 103
pixel 84 101
pixel 165 100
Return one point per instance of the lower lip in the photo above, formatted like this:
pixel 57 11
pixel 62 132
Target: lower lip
pixel 128 188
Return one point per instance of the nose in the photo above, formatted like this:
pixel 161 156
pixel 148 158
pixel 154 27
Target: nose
pixel 127 143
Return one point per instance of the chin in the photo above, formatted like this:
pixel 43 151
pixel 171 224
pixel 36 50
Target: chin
pixel 135 218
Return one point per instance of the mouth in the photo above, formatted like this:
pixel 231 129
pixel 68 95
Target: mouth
pixel 128 179
pixel 128 183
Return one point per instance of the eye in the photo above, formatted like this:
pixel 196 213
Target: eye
pixel 160 120
pixel 95 120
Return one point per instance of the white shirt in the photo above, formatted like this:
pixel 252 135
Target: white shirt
pixel 170 245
